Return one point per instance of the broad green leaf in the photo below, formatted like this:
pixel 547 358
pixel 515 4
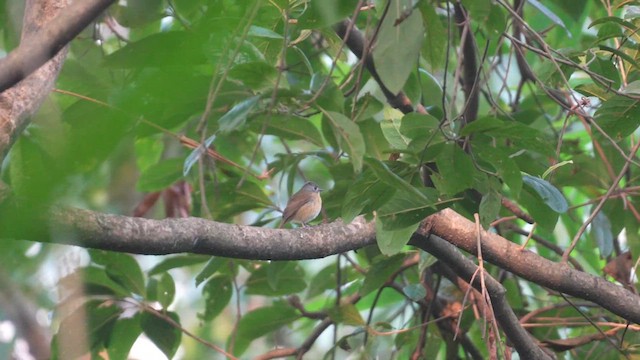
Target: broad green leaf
pixel 606 68
pixel 148 152
pixel 319 14
pixel 391 130
pixel 160 176
pixel 538 209
pixel 99 319
pixel 415 292
pixel 601 233
pixel 276 279
pixel 435 43
pixel 415 126
pixel 619 116
pixel 230 200
pixel 365 195
pixel 177 262
pixel 330 97
pixel 125 332
pixel 96 282
pixel 523 136
pixel 391 242
pixel 235 118
pixel 478 9
pixel 164 335
pixel 122 268
pixel 505 166
pixel 217 293
pixel 404 209
pixel 382 171
pixel 400 37
pixel 258 31
pixel 211 268
pixel 456 170
pixel 289 127
pixel 548 193
pixel 346 314
pixel 256 75
pixel 262 321
pixel 349 137
pixel 162 290
pixel 489 208
pixel 549 14
pixel 326 279
pixel 380 271
pixel 172 48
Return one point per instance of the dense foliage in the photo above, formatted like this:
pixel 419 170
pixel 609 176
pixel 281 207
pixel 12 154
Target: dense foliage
pixel 525 113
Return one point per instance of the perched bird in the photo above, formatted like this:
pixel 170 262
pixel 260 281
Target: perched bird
pixel 304 205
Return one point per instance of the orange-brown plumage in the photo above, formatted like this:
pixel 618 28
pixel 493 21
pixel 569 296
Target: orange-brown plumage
pixel 304 205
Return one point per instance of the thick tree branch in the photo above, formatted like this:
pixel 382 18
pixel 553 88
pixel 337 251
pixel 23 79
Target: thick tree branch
pixel 157 237
pixel 44 35
pixel 522 341
pixel 461 232
pixel 143 236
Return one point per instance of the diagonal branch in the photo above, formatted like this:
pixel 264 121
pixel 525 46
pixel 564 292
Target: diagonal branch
pixel 43 38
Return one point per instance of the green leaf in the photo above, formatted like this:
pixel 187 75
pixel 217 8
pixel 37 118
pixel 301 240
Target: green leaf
pixel 380 271
pixel 391 242
pixel 489 208
pixel 162 290
pixel 260 322
pixel 346 314
pixel 619 116
pixel 456 170
pixel 415 292
pixel 276 279
pixel 549 14
pixel 122 268
pixel 391 131
pixel 96 282
pixel 382 172
pixel 523 136
pixel 99 319
pixel 290 127
pixel 319 14
pixel 400 37
pixel 326 279
pixel 231 200
pixel 257 31
pixel 256 75
pixel 601 233
pixel 177 262
pixel 125 332
pixel 435 42
pixel 164 335
pixel 160 176
pixel 405 209
pixel 235 118
pixel 217 293
pixel 505 166
pixel 365 195
pixel 349 137
pixel 537 208
pixel 171 48
pixel 148 152
pixel 211 268
pixel 548 193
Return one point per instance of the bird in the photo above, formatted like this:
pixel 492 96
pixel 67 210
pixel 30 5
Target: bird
pixel 304 205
